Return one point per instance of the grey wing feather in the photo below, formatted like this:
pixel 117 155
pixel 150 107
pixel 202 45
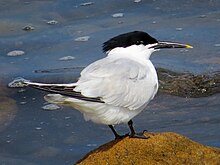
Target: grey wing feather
pixel 119 82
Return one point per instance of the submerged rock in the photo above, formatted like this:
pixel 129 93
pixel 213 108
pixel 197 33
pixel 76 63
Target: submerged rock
pixel 18 82
pixel 52 22
pixel 82 39
pixel 87 4
pixel 137 1
pixel 8 108
pixel 159 148
pixel 67 58
pixel 179 29
pixel 28 28
pixel 188 84
pixel 47 151
pixel 51 107
pixel 15 53
pixel 117 15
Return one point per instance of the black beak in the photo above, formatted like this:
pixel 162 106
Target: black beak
pixel 161 45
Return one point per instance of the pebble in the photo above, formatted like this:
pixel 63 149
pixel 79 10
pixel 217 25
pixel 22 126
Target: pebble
pixel 51 107
pixel 23 102
pixel 67 117
pixel 28 28
pixel 117 15
pixel 38 128
pixel 91 145
pixel 16 53
pixel 137 1
pixel 202 16
pixel 203 90
pixel 66 58
pixel 17 83
pixel 42 122
pixel 179 29
pixel 184 50
pixel 82 39
pixel 217 45
pixel 87 4
pixel 21 90
pixel 52 22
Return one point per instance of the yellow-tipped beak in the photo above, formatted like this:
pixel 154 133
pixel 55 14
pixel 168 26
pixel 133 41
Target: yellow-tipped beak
pixel 162 45
pixel 189 47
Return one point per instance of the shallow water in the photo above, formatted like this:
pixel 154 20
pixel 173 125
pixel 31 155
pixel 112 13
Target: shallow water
pixel 31 135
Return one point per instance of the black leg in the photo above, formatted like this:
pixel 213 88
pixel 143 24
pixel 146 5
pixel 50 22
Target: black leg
pixel 117 136
pixel 130 124
pixel 133 134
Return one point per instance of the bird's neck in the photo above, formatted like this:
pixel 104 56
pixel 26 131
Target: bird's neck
pixel 135 52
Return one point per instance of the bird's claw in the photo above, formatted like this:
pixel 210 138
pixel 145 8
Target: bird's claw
pixel 139 135
pixel 118 137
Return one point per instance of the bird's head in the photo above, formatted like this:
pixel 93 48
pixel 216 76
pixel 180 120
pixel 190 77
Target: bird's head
pixel 139 41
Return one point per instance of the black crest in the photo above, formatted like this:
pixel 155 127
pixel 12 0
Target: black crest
pixel 128 39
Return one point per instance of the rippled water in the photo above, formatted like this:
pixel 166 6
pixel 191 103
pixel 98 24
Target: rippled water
pixel 31 135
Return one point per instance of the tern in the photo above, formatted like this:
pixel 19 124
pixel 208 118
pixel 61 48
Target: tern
pixel 116 88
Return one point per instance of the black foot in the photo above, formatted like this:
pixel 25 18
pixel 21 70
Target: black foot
pixel 134 134
pixel 118 137
pixel 139 135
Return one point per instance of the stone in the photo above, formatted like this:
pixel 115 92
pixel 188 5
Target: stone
pixel 15 53
pixel 159 148
pixel 8 107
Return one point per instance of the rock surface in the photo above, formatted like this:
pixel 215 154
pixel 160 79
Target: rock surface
pixel 8 108
pixel 188 84
pixel 159 148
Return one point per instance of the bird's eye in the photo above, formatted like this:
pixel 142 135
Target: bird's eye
pixel 140 42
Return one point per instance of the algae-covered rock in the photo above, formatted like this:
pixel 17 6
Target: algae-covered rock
pixel 8 108
pixel 159 148
pixel 188 84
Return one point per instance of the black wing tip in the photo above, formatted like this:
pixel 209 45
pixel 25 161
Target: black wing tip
pixel 67 91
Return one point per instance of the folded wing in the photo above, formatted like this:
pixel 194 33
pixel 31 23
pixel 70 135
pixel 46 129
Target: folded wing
pixel 118 82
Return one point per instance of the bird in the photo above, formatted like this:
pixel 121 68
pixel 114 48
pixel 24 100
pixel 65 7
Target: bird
pixel 116 88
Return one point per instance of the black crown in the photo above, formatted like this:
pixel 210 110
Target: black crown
pixel 128 39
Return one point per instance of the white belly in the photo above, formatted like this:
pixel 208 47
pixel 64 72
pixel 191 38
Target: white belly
pixel 105 114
